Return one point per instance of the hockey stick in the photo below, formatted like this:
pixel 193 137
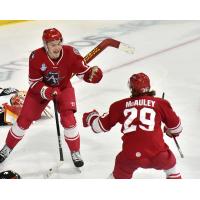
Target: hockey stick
pixel 109 42
pixel 177 145
pixel 58 130
pixel 53 169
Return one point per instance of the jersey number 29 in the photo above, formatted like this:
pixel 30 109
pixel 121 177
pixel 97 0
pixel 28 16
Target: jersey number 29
pixel 142 114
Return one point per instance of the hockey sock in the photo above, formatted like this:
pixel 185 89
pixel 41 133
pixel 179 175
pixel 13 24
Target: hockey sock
pixel 73 143
pixel 15 134
pixel 172 173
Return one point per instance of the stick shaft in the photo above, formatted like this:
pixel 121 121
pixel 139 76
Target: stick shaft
pixel 177 145
pixel 58 130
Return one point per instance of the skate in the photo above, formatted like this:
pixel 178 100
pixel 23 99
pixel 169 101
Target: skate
pixel 9 174
pixel 76 158
pixel 4 153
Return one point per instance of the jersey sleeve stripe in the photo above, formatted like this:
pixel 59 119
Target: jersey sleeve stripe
pixel 95 126
pixel 177 126
pixel 32 84
pixel 81 73
pixel 176 129
pixel 100 124
pixel 35 79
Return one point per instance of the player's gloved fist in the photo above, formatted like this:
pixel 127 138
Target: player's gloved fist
pixel 89 117
pixel 49 93
pixel 93 75
pixel 170 133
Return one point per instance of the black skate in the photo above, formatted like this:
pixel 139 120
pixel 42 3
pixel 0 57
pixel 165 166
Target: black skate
pixel 9 174
pixel 4 153
pixel 76 158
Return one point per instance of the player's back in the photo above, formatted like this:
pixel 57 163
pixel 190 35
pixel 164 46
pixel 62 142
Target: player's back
pixel 141 119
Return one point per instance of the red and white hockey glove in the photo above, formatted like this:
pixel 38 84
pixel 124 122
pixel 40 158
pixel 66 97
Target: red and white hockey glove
pixel 89 117
pixel 170 133
pixel 48 93
pixel 93 75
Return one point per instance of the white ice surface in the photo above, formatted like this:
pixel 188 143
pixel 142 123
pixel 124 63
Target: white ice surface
pixel 168 51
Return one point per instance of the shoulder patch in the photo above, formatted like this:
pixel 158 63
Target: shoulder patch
pixel 43 67
pixel 76 51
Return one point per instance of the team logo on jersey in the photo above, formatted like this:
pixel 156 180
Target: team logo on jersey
pixel 52 78
pixel 76 51
pixel 43 67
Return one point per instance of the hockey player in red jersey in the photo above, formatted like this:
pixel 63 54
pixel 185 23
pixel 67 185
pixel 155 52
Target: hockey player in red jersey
pixel 140 117
pixel 50 70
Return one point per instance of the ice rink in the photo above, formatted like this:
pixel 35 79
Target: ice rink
pixel 168 51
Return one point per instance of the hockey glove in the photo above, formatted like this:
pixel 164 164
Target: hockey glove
pixel 49 93
pixel 89 117
pixel 170 132
pixel 93 75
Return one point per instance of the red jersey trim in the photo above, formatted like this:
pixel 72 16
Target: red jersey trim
pixel 176 129
pixel 35 79
pixel 101 126
pixel 58 60
pixel 32 84
pixel 177 126
pixel 81 73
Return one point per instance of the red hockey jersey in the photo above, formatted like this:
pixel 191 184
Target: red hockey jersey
pixel 45 71
pixel 140 120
